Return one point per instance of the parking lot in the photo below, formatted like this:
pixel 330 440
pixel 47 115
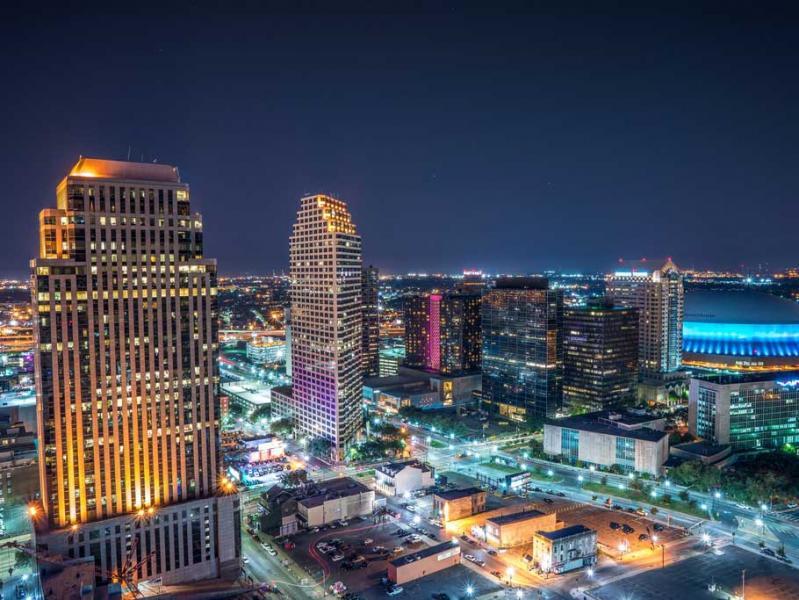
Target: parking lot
pixel 617 529
pixel 338 552
pixel 694 577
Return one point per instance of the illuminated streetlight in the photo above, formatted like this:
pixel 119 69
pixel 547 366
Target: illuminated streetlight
pixel 519 594
pixel 653 493
pixel 705 538
pixel 469 590
pixel 580 478
pixel 550 472
pixel 763 507
pixel 704 506
pixel 590 572
pixel 631 475
pixel 717 495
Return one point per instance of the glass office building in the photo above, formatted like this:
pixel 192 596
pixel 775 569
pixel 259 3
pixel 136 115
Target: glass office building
pixel 522 321
pixel 747 411
pixel 600 356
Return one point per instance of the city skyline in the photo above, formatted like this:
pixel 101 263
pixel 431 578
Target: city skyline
pixel 550 140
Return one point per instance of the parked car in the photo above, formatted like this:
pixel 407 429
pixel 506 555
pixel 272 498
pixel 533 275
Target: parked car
pixel 337 557
pixel 627 529
pixel 614 526
pixel 658 527
pixel 768 552
pixel 643 537
pixel 394 590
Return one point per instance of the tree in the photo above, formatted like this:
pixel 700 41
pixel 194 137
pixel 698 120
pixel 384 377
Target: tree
pixel 604 480
pixel 292 479
pixel 781 551
pixel 22 560
pixel 284 426
pixel 666 498
pixel 320 446
pixel 684 496
pixel 653 511
pixel 261 412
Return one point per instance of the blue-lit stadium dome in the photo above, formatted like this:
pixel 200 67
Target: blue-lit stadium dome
pixel 740 330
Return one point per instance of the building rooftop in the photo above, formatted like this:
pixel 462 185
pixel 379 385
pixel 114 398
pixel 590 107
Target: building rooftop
pixel 702 448
pixel 456 494
pixel 522 283
pixel 121 169
pixel 747 377
pixel 604 422
pixel 392 468
pixel 559 534
pixel 740 307
pixel 424 553
pixel 332 489
pixel 516 517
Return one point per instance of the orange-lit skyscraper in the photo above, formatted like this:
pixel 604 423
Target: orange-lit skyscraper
pixel 127 375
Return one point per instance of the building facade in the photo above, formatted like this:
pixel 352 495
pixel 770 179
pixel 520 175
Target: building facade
pixel 606 438
pixel 600 356
pixel 266 350
pixel 564 550
pixel 400 478
pixel 522 322
pixel 748 411
pixel 442 332
pixel 456 504
pixel 517 529
pixel 326 329
pixel 127 376
pixel 371 322
pixel 659 298
pixel 424 562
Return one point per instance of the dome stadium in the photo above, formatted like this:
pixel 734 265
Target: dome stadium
pixel 740 330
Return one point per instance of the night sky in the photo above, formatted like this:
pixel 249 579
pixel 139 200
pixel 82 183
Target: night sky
pixel 503 141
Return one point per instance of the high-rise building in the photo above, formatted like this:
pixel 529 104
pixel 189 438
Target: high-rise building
pixel 326 332
pixel 371 322
pixel 600 356
pixel 522 323
pixel 659 297
pixel 442 332
pixel 126 379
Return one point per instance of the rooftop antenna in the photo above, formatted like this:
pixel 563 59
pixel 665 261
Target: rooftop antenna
pixel 128 152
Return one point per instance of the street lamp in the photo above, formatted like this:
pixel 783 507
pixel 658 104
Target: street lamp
pixel 510 571
pixel 550 472
pixel 580 478
pixel 469 590
pixel 519 594
pixel 590 572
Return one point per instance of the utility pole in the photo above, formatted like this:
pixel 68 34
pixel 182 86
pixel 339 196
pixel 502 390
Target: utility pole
pixel 743 584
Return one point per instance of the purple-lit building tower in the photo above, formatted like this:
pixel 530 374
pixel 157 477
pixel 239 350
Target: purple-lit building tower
pixel 326 325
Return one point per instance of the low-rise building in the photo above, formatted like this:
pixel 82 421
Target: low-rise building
pixel 336 499
pixel 418 388
pixel 399 478
pixel 457 504
pixel 519 528
pixel 266 350
pixel 564 550
pixel 501 476
pixel 424 562
pixel 631 441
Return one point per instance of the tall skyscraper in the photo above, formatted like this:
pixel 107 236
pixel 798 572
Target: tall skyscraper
pixel 126 379
pixel 659 297
pixel 600 356
pixel 326 331
pixel 522 321
pixel 442 332
pixel 370 347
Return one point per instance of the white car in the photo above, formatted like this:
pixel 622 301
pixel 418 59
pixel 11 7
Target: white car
pixel 271 552
pixel 368 541
pixel 469 557
pixel 337 557
pixel 394 591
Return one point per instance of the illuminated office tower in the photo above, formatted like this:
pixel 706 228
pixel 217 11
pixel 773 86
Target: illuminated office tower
pixel 326 332
pixel 659 297
pixel 126 379
pixel 600 356
pixel 522 321
pixel 371 323
pixel 442 332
